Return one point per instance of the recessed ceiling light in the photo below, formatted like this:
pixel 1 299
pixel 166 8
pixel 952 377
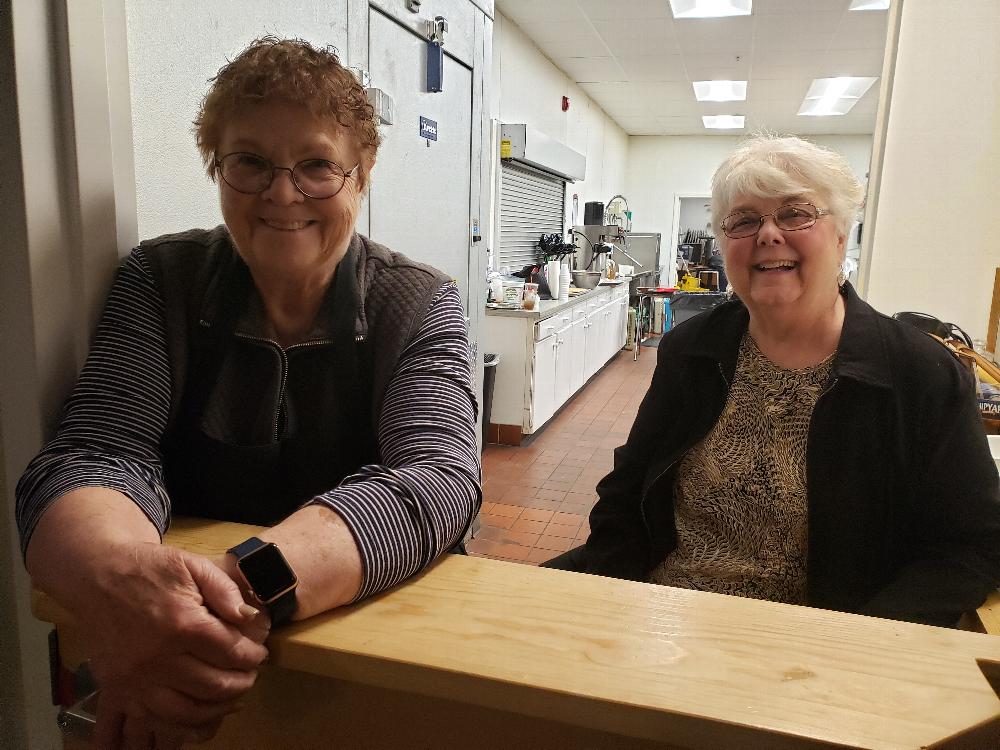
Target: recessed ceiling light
pixel 834 96
pixel 720 91
pixel 723 122
pixel 869 5
pixel 710 8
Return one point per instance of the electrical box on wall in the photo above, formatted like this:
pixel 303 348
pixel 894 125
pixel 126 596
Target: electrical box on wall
pixel 382 104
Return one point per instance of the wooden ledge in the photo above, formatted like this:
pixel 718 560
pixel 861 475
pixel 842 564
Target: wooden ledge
pixel 640 661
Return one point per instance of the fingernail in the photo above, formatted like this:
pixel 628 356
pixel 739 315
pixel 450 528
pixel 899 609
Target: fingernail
pixel 247 611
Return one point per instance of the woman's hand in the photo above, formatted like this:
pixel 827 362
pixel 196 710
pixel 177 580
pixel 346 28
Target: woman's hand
pixel 176 646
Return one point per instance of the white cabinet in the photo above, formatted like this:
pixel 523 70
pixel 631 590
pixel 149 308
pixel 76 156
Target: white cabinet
pixel 576 343
pixel 564 366
pixel 546 358
pixel 543 378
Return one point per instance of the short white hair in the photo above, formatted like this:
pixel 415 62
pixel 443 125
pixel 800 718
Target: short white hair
pixel 769 166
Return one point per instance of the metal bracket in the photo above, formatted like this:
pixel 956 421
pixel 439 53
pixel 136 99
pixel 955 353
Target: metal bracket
pixel 436 30
pixel 413 6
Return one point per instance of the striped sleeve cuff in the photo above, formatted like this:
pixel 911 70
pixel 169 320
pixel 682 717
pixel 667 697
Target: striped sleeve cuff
pixel 50 476
pixel 395 534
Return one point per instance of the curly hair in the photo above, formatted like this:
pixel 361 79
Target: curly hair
pixel 291 70
pixel 772 166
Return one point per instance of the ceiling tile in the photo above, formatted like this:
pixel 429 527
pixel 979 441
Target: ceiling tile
pixel 682 125
pixel 532 10
pixel 653 36
pixel 668 108
pixel 598 69
pixel 653 67
pixel 608 89
pixel 768 90
pixel 768 55
pixel 573 47
pixel 784 7
pixel 544 32
pixel 640 125
pixel 602 10
pixel 637 63
pixel 783 72
pixel 810 40
pixel 714 34
pixel 852 62
pixel 860 31
pixel 666 92
pixel 734 65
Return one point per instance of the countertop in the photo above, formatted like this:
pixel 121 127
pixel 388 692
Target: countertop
pixel 692 668
pixel 548 308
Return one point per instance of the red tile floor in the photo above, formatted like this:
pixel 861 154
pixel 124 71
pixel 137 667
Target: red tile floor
pixel 537 496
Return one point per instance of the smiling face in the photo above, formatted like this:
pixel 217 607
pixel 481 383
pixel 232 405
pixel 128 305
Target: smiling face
pixel 784 272
pixel 282 235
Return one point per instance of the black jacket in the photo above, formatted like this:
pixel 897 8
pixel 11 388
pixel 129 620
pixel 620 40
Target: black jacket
pixel 904 499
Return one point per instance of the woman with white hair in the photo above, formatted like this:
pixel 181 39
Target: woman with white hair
pixel 795 445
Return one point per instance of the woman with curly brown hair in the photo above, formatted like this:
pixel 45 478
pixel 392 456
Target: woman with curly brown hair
pixel 279 370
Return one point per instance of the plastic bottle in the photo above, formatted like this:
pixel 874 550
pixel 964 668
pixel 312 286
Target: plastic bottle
pixel 496 288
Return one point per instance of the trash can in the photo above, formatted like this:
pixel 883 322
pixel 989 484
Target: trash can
pixel 490 362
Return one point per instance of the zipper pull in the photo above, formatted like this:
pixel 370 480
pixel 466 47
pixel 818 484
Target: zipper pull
pixel 359 337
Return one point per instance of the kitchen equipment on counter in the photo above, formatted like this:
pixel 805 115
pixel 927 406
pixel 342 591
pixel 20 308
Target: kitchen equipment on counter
pixel 595 246
pixel 593 213
pixel 587 279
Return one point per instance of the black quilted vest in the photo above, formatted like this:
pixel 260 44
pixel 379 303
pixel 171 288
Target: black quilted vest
pixel 256 430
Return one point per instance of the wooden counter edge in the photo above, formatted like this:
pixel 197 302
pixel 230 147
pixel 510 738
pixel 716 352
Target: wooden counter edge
pixel 208 537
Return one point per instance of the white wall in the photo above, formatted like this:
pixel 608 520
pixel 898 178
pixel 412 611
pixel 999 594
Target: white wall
pixel 661 166
pixel 934 245
pixel 696 213
pixel 529 88
pixel 61 221
pixel 173 192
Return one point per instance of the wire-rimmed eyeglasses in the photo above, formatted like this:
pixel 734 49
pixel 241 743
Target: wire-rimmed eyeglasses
pixel 791 217
pixel 314 178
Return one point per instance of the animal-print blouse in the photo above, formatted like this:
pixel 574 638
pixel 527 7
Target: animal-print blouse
pixel 740 496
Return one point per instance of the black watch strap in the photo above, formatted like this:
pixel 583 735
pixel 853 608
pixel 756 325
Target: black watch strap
pixel 283 607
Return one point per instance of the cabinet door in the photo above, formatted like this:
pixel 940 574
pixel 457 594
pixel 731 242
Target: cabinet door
pixel 564 357
pixel 577 345
pixel 592 347
pixel 543 378
pixel 621 325
pixel 562 383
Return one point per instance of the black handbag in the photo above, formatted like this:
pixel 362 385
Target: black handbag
pixel 930 324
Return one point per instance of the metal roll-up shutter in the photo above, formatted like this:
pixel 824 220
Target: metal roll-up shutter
pixel 532 203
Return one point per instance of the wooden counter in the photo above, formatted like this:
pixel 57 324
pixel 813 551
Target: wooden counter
pixel 485 654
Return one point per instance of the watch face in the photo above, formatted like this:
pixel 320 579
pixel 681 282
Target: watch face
pixel 267 572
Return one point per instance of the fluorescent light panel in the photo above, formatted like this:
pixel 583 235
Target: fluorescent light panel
pixel 723 122
pixel 834 96
pixel 720 91
pixel 869 5
pixel 710 8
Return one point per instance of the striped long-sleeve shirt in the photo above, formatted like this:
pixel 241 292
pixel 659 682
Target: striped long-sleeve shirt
pixel 403 512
